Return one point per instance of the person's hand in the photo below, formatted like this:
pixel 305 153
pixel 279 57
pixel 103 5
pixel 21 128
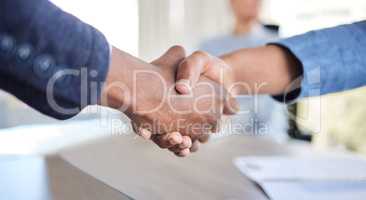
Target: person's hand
pixel 201 64
pixel 166 140
pixel 268 69
pixel 141 91
pixel 182 142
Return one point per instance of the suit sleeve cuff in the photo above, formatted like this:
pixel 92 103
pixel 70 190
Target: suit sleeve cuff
pixel 303 48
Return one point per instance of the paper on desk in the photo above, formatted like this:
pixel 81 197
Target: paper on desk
pixel 315 190
pixel 307 178
pixel 302 169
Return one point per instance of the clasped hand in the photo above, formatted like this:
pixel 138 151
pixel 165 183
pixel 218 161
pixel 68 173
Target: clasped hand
pixel 162 105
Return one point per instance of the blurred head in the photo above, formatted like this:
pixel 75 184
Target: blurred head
pixel 245 10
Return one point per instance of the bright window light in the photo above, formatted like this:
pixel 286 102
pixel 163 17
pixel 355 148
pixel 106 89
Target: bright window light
pixel 118 20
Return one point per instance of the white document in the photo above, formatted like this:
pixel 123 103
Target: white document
pixel 307 178
pixel 318 190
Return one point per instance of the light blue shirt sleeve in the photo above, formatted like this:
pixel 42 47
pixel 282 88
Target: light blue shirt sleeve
pixel 332 59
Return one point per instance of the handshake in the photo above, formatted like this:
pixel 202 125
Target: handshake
pixel 176 101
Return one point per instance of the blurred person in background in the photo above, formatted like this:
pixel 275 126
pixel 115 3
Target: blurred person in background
pixel 260 115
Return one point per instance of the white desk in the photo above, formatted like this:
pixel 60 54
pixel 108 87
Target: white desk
pixel 108 167
pixel 143 171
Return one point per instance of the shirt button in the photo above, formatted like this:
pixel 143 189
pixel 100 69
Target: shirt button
pixel 24 52
pixel 7 43
pixel 43 66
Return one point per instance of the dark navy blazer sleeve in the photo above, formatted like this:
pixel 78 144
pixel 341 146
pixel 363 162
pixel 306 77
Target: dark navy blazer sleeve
pixel 50 59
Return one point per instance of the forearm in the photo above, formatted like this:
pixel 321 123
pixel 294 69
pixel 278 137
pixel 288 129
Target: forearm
pixel 318 62
pixel 132 83
pixel 118 88
pixel 263 70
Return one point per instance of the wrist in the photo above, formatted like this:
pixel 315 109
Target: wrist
pixel 287 64
pixel 263 70
pixel 117 89
pixel 127 84
pixel 229 75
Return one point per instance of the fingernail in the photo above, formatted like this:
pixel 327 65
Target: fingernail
pixel 184 153
pixel 145 134
pixel 184 86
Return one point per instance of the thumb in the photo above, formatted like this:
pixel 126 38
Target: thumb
pixel 190 70
pixel 172 57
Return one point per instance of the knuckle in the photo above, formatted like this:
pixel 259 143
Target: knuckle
pixel 188 66
pixel 189 63
pixel 201 54
pixel 178 48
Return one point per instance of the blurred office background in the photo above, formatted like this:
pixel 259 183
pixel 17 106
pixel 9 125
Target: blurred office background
pixel 146 28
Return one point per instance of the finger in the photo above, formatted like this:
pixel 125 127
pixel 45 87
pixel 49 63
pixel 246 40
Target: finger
pixel 195 146
pixel 144 133
pixel 167 140
pixel 231 106
pixel 175 138
pixel 190 70
pixel 204 138
pixel 186 143
pixel 172 57
pixel 183 153
pixel 176 149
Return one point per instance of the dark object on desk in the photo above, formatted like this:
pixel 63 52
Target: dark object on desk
pixel 272 27
pixel 294 131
